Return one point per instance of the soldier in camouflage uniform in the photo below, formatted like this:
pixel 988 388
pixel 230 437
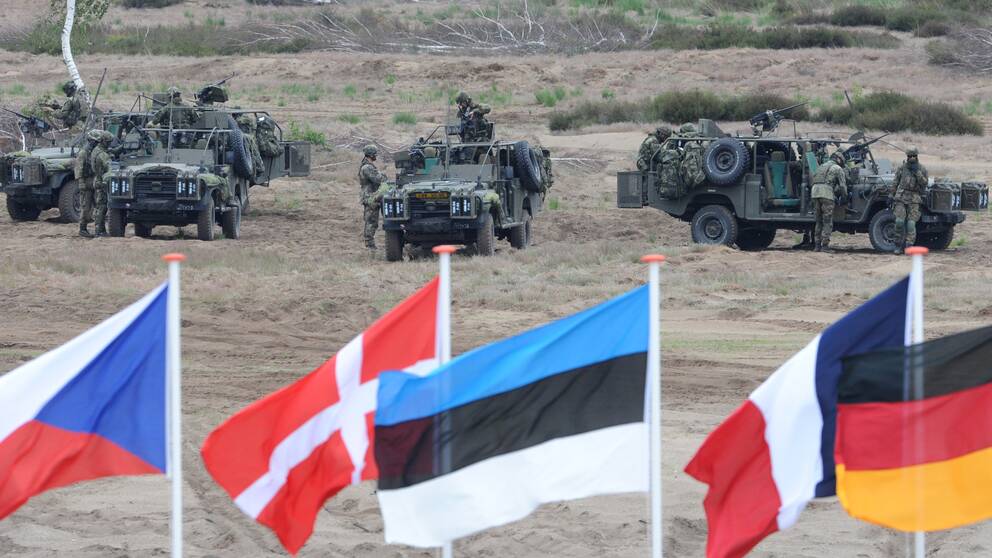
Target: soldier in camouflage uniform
pixel 910 183
pixel 370 180
pixel 829 184
pixel 182 115
pixel 100 165
pixel 691 168
pixel 72 110
pixel 472 114
pixel 688 129
pixel 268 145
pixel 650 145
pixel 84 174
pixel 247 124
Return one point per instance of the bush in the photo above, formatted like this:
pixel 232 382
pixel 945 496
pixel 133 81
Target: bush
pixel 852 16
pixel 407 118
pixel 941 54
pixel 894 112
pixel 934 29
pixel 149 3
pixel 911 18
pixel 720 36
pixel 298 132
pixel 546 98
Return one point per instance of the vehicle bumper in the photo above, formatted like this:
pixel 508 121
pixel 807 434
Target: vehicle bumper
pixel 37 194
pixel 160 211
pixel 436 229
pixel 943 218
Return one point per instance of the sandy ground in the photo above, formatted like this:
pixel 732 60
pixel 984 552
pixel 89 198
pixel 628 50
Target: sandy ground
pixel 263 311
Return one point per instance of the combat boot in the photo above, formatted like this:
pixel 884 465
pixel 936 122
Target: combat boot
pixel 826 249
pixel 805 244
pixel 101 230
pixel 83 232
pixel 818 247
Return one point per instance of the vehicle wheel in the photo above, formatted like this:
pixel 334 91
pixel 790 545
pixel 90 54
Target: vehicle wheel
pixel 230 222
pixel 714 224
pixel 116 221
pixel 725 161
pixel 242 156
pixel 206 221
pixel 485 240
pixel 70 205
pixel 520 235
pixel 882 231
pixel 527 167
pixel 394 246
pixel 22 212
pixel 143 230
pixel 755 239
pixel 936 241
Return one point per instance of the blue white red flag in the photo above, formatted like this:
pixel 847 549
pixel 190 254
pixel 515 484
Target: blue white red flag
pixel 94 407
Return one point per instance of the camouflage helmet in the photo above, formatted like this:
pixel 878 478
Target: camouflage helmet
pixel 105 137
pixel 266 123
pixel 246 122
pixel 663 132
pixel 370 150
pixel 687 128
pixel 174 92
pixel 838 156
pixel 463 98
pixel 94 135
pixel 69 87
pixel 912 152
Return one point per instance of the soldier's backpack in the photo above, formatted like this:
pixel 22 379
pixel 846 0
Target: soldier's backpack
pixel 692 165
pixel 670 185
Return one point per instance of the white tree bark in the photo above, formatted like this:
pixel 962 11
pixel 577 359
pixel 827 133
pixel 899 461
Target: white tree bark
pixel 70 64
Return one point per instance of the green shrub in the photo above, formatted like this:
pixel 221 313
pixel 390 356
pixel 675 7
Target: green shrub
pixel 933 29
pixel 941 54
pixel 149 3
pixel 304 132
pixel 546 98
pixel 390 79
pixel 894 112
pixel 911 18
pixel 608 94
pixel 720 36
pixel 852 16
pixel 407 118
pixel 350 118
pixel 350 91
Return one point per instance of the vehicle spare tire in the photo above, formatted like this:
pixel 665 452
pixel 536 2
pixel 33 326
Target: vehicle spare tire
pixel 725 161
pixel 527 166
pixel 241 156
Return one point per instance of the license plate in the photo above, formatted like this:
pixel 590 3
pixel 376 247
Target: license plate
pixel 431 195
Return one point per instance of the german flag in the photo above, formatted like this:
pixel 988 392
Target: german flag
pixel 914 434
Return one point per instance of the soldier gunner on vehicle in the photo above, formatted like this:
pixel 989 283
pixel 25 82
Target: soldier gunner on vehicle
pixel 650 145
pixel 73 110
pixel 472 115
pixel 829 186
pixel 910 182
pixel 370 179
pixel 182 115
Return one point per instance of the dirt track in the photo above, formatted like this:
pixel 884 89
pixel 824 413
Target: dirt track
pixel 260 312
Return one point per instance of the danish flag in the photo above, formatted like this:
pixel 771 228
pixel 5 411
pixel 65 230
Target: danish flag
pixel 283 456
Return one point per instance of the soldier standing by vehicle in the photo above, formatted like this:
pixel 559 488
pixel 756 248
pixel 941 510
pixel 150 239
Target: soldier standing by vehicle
pixel 370 179
pixel 829 184
pixel 100 164
pixel 84 174
pixel 910 182
pixel 650 146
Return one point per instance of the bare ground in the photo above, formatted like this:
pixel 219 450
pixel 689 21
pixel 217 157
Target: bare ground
pixel 261 312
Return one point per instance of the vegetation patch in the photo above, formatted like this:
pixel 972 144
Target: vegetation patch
pixel 720 36
pixel 406 118
pixel 303 132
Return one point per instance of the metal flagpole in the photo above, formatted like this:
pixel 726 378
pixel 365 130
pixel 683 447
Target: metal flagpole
pixel 173 398
pixel 916 286
pixel 444 328
pixel 654 402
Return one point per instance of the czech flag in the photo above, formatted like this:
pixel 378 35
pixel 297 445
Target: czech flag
pixel 94 407
pixel 775 453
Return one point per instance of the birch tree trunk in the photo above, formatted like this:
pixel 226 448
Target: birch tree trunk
pixel 70 64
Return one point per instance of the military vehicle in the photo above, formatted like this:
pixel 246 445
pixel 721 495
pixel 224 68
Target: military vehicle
pixel 471 193
pixel 202 174
pixel 756 184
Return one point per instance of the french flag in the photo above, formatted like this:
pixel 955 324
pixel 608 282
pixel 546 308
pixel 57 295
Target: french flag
pixel 775 453
pixel 94 407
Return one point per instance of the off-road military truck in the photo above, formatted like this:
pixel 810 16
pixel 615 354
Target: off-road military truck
pixel 757 184
pixel 448 192
pixel 198 174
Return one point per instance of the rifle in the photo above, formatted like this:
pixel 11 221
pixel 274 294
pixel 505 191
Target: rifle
pixel 857 152
pixel 769 120
pixel 213 92
pixel 92 115
pixel 31 125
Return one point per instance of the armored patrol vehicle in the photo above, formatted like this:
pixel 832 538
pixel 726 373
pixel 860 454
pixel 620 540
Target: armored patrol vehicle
pixel 757 184
pixel 471 193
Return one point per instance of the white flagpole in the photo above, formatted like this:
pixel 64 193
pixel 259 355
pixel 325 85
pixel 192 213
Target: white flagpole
pixel 654 408
pixel 174 400
pixel 916 287
pixel 444 328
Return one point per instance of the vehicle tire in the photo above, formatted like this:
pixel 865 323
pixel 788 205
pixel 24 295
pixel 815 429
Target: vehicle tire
pixel 936 241
pixel 520 235
pixel 70 204
pixel 246 201
pixel 22 212
pixel 725 161
pixel 394 246
pixel 882 231
pixel 527 167
pixel 752 240
pixel 143 230
pixel 116 221
pixel 230 222
pixel 714 224
pixel 485 240
pixel 206 221
pixel 242 156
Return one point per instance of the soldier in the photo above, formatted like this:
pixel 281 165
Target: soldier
pixel 182 115
pixel 650 146
pixel 829 184
pixel 473 116
pixel 910 183
pixel 84 174
pixel 247 124
pixel 268 145
pixel 688 129
pixel 370 179
pixel 72 110
pixel 100 165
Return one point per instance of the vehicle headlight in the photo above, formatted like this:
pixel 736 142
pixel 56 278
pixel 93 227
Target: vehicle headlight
pixel 462 206
pixel 394 208
pixel 188 186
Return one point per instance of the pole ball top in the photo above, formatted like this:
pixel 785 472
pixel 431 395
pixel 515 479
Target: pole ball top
pixel 917 251
pixel 652 258
pixel 444 249
pixel 174 257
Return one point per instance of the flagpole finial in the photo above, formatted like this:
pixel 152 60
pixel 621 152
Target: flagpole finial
pixel 917 251
pixel 444 249
pixel 652 258
pixel 174 257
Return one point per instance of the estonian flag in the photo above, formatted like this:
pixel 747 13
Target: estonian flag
pixel 917 455
pixel 555 413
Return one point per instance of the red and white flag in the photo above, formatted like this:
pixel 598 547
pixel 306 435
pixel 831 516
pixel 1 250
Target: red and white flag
pixel 283 456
